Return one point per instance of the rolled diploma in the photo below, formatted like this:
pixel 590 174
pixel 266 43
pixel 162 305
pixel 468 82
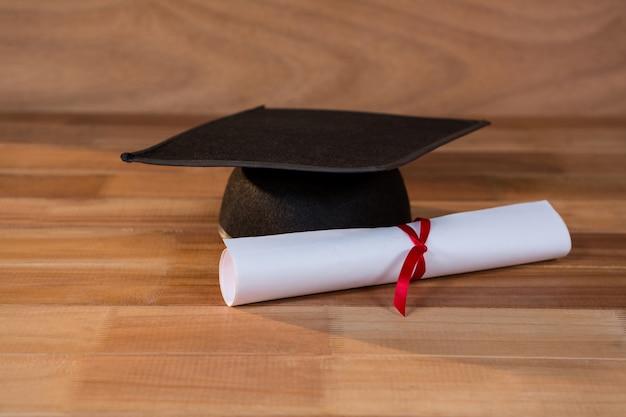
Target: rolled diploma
pixel 254 269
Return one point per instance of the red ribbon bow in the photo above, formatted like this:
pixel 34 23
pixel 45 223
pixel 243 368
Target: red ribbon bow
pixel 414 265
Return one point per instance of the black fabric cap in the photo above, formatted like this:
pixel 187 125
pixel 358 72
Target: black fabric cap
pixel 268 201
pixel 307 140
pixel 303 170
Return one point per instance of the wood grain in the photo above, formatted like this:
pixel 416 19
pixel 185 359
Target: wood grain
pixel 109 293
pixel 110 303
pixel 212 57
pixel 193 359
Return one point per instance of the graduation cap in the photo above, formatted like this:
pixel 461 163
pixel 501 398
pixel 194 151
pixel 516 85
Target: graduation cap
pixel 300 170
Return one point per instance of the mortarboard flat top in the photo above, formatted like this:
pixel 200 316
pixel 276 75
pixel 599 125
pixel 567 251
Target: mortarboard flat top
pixel 307 140
pixel 298 170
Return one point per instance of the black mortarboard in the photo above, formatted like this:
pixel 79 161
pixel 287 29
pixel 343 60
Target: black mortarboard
pixel 298 170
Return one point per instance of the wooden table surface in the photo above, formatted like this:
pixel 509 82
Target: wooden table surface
pixel 110 303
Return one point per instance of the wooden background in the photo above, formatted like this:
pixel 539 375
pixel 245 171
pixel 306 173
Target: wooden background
pixel 109 295
pixel 484 57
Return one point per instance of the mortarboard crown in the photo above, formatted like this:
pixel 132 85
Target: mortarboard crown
pixel 300 170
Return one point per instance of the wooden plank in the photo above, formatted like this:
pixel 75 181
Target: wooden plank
pixel 173 182
pixel 112 283
pixel 430 185
pixel 138 213
pixel 64 160
pixel 37 384
pixel 484 387
pixel 93 131
pixel 162 212
pixel 426 181
pixel 142 359
pixel 51 329
pixel 300 330
pixel 190 57
pixel 422 184
pixel 599 216
pixel 311 385
pixel 147 384
pixel 479 332
pixel 98 246
pixel 595 286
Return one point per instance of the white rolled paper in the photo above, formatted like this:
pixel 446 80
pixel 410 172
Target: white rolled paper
pixel 254 269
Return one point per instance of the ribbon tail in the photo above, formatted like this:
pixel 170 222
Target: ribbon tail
pixel 402 290
pixel 406 275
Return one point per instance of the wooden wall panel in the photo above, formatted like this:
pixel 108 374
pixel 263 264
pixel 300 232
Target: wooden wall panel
pixel 480 57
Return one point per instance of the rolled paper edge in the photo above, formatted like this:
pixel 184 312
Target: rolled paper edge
pixel 561 233
pixel 228 278
pixel 566 232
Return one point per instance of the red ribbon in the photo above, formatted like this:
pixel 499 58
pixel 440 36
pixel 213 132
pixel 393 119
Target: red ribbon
pixel 414 265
